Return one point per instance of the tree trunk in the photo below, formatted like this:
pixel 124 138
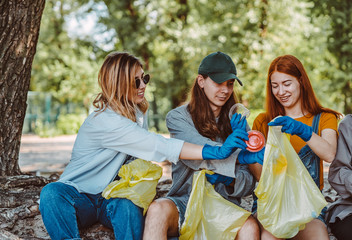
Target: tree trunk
pixel 19 31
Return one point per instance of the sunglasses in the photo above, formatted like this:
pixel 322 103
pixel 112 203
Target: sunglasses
pixel 145 79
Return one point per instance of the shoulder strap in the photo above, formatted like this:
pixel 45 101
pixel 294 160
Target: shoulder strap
pixel 315 124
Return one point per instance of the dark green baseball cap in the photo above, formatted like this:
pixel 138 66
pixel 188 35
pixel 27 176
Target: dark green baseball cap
pixel 219 67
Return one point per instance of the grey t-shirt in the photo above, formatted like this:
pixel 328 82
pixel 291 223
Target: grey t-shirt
pixel 181 126
pixel 340 173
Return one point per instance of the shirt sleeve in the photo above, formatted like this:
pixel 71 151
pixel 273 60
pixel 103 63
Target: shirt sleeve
pixel 261 125
pixel 327 121
pixel 340 172
pixel 128 137
pixel 181 126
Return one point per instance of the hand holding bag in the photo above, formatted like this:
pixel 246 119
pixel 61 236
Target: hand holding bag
pixel 288 198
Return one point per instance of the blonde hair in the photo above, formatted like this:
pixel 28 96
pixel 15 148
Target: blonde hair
pixel 117 81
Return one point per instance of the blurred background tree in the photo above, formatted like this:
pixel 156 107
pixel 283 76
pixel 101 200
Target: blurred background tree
pixel 19 31
pixel 339 45
pixel 173 36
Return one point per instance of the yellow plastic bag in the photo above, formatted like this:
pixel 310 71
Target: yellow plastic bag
pixel 288 198
pixel 209 215
pixel 138 183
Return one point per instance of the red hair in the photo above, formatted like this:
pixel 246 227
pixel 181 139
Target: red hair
pixel 290 65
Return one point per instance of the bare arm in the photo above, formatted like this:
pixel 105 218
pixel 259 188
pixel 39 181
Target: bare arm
pixel 256 170
pixel 324 146
pixel 191 151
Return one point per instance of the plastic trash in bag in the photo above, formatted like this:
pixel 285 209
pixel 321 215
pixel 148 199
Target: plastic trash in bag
pixel 138 183
pixel 288 198
pixel 209 215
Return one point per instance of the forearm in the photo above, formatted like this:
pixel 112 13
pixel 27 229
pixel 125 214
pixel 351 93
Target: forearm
pixel 256 170
pixel 325 146
pixel 191 151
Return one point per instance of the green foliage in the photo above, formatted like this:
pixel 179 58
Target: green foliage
pixel 45 130
pixel 339 44
pixel 253 115
pixel 63 66
pixel 173 36
pixel 69 123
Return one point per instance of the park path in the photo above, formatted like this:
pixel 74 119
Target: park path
pixel 45 154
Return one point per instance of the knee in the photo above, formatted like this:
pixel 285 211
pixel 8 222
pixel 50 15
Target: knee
pixel 250 226
pixel 47 190
pixel 160 208
pixel 125 205
pixel 47 198
pixel 162 213
pixel 52 195
pixel 49 193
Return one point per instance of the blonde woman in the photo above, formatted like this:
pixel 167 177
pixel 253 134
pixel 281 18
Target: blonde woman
pixel 113 135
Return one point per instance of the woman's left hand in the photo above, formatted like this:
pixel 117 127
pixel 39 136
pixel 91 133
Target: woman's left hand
pixel 291 126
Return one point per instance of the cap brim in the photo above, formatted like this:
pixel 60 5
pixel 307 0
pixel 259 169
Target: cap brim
pixel 223 77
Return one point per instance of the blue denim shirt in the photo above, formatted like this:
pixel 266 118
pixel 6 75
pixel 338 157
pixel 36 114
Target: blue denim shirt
pixel 104 142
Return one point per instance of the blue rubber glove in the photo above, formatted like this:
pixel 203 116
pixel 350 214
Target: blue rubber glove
pixel 217 178
pixel 291 126
pixel 247 157
pixel 238 122
pixel 234 140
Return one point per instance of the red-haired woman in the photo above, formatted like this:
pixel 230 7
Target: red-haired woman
pixel 289 95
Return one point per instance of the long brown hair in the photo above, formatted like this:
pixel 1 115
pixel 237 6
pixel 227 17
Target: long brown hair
pixel 203 116
pixel 117 81
pixel 290 65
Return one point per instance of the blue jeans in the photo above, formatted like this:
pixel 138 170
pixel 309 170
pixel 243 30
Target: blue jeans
pixel 64 210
